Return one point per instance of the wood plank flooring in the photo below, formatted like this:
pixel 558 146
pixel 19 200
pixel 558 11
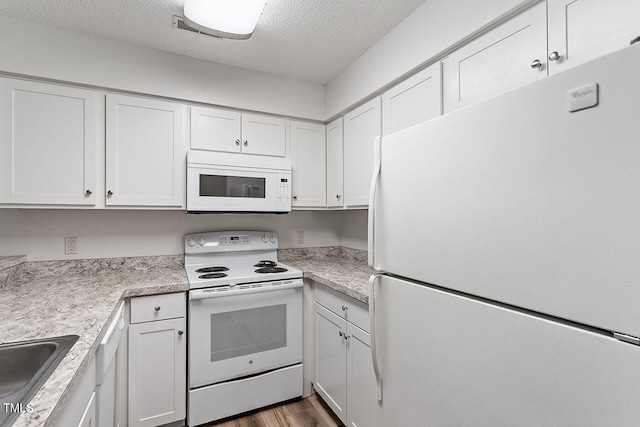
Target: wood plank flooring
pixel 308 412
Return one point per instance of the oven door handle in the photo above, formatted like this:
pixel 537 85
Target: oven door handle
pixel 241 290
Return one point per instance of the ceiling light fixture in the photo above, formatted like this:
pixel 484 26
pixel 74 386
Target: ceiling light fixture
pixel 229 19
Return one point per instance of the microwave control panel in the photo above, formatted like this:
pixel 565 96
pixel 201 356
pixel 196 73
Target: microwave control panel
pixel 284 192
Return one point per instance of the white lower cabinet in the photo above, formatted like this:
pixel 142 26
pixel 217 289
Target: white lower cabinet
pixel 80 408
pixel 157 360
pixel 344 376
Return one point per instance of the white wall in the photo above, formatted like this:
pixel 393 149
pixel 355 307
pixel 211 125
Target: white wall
pixel 353 225
pixel 40 233
pixel 46 52
pixel 420 38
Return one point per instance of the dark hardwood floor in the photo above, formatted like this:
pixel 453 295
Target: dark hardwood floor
pixel 308 412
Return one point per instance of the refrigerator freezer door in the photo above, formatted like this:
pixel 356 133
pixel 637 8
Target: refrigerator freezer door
pixel 518 200
pixel 447 360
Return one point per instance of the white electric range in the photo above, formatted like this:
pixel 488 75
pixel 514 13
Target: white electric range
pixel 244 323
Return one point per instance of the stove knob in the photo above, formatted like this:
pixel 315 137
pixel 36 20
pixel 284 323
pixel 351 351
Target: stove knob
pixel 201 241
pixel 265 239
pixel 191 242
pixel 272 239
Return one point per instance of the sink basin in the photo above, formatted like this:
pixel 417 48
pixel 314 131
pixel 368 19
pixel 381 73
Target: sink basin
pixel 24 367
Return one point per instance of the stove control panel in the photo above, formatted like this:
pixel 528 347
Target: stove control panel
pixel 221 241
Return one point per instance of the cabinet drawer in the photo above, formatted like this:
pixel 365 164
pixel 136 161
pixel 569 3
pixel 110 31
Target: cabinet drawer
pixel 346 307
pixel 157 307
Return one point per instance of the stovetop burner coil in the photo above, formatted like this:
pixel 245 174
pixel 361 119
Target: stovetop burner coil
pixel 271 270
pixel 212 276
pixel 211 269
pixel 266 263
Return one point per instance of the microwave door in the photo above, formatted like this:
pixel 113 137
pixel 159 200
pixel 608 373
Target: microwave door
pixel 231 190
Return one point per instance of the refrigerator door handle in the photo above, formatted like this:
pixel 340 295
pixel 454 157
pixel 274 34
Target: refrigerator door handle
pixel 372 319
pixel 372 201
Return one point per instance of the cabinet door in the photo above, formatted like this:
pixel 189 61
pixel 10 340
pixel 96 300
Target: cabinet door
pixel 89 418
pixel 146 155
pixel 582 30
pixel 413 101
pixel 331 372
pixel 361 379
pixel 335 164
pixel 361 127
pixel 157 372
pixel 308 165
pixel 499 61
pixel 48 140
pixel 214 129
pixel 263 135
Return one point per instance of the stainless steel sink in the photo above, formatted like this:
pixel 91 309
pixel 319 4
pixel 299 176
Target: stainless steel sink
pixel 24 367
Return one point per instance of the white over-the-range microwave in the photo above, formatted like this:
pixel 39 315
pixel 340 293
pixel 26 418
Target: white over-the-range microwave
pixel 233 182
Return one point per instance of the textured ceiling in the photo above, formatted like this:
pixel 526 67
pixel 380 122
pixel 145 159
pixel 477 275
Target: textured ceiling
pixel 311 40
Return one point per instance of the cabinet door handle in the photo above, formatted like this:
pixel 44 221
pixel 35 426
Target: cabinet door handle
pixel 237 142
pixel 88 192
pixel 536 64
pixel 295 197
pixel 156 308
pixel 180 333
pixel 246 142
pixel 554 56
pixel 345 308
pixel 109 193
pixel 338 196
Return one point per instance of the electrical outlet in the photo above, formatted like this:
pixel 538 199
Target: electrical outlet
pixel 300 237
pixel 70 245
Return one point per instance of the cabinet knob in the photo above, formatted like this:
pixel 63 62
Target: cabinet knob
pixel 295 197
pixel 88 192
pixel 345 308
pixel 180 333
pixel 246 142
pixel 157 308
pixel 536 64
pixel 109 193
pixel 338 196
pixel 554 56
pixel 237 142
pixel 344 335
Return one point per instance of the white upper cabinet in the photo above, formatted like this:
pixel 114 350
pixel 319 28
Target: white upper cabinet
pixel 581 30
pixel 264 135
pixel 145 152
pixel 308 164
pixel 215 129
pixel 505 58
pixel 224 130
pixel 361 127
pixel 412 101
pixel 335 164
pixel 48 140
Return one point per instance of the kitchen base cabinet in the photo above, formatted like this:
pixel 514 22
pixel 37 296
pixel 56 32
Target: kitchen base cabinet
pixel 80 409
pixel 344 376
pixel 157 361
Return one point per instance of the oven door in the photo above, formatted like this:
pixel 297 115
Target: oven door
pixel 233 334
pixel 218 188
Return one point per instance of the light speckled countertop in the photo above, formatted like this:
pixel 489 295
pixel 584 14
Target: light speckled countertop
pixel 342 269
pixel 53 298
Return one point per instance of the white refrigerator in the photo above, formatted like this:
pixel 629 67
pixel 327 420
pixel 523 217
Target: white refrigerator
pixel 506 237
